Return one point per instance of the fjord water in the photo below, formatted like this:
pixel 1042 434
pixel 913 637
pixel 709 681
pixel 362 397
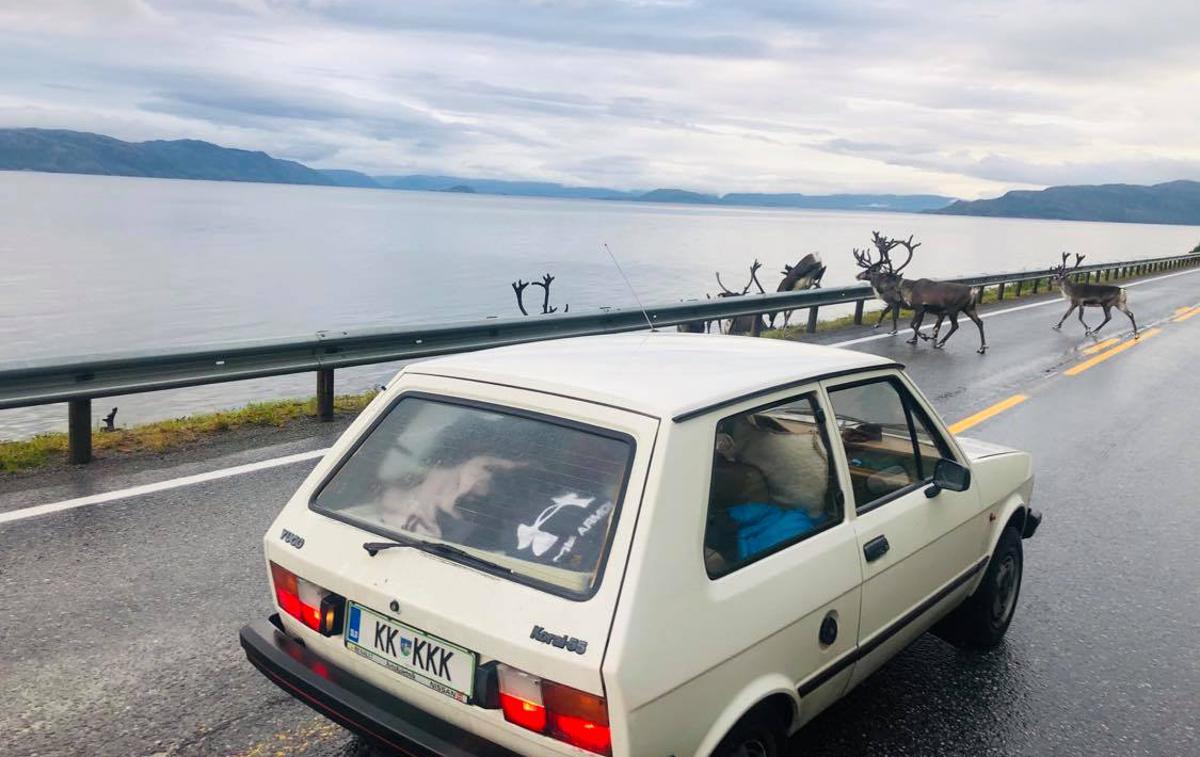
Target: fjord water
pixel 97 264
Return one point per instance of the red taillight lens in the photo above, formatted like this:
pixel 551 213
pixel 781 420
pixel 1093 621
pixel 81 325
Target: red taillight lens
pixel 577 717
pixel 581 733
pixel 525 714
pixel 570 715
pixel 317 608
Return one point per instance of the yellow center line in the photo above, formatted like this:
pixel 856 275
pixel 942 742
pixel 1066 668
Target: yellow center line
pixel 1075 370
pixel 1101 345
pixel 1191 312
pixel 983 415
pixel 1184 309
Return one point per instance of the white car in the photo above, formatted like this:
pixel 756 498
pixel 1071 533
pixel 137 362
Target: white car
pixel 643 544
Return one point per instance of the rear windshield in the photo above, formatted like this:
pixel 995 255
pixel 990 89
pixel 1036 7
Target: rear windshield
pixel 530 494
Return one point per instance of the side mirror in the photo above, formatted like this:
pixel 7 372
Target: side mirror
pixel 949 475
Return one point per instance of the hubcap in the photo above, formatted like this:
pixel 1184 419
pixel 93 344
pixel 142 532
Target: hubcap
pixel 1008 576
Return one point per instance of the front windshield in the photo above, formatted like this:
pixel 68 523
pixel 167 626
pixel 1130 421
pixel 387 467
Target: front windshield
pixel 528 494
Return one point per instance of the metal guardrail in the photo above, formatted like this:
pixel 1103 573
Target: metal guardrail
pixel 79 380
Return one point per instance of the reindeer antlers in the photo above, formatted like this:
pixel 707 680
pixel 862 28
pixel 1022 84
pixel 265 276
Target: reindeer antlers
pixel 1062 268
pixel 520 286
pixel 545 283
pixel 862 257
pixel 754 277
pixel 885 245
pixel 908 245
pixel 519 289
pixel 727 292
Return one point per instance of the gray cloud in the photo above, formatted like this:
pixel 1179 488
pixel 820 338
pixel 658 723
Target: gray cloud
pixel 956 98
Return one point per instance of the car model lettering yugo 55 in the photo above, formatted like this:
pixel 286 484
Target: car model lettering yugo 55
pixel 644 544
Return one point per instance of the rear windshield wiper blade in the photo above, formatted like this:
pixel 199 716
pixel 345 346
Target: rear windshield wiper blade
pixel 441 548
pixel 436 548
pixel 374 547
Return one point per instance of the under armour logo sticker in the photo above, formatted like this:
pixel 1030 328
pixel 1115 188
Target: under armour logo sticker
pixel 531 536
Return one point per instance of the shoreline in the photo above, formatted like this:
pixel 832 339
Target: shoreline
pixel 49 450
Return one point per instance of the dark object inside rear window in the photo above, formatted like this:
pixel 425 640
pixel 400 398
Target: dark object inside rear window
pixel 529 494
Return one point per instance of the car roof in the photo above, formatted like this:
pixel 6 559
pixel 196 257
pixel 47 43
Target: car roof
pixel 662 374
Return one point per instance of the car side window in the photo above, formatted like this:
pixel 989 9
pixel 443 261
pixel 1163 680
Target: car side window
pixel 772 483
pixel 889 441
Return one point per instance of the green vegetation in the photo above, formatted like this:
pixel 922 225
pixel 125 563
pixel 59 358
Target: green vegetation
pixel 163 436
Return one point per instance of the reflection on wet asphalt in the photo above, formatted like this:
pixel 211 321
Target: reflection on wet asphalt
pixel 119 622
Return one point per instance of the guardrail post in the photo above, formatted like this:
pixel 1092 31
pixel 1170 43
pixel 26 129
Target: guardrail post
pixel 858 308
pixel 1019 283
pixel 79 431
pixel 1036 283
pixel 325 394
pixel 811 328
pixel 1000 292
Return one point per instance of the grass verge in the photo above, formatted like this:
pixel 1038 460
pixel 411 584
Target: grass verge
pixel 161 436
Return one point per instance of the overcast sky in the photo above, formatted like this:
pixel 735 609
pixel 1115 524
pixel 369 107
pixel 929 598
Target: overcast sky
pixel 961 98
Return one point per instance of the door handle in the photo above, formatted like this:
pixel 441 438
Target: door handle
pixel 876 548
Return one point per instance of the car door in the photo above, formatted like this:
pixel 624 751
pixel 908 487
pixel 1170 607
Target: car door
pixel 918 553
pixel 774 602
pixel 775 488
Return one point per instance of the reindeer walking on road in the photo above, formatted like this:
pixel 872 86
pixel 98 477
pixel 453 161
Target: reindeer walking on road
pixel 1083 296
pixel 946 299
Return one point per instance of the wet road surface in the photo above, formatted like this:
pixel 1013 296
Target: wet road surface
pixel 119 621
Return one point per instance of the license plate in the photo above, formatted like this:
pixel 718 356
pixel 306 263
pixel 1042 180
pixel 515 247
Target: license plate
pixel 444 667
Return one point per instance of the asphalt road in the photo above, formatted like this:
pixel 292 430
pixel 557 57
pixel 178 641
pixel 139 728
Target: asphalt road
pixel 119 621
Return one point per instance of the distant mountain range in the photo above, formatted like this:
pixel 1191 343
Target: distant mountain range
pixel 1175 202
pixel 63 151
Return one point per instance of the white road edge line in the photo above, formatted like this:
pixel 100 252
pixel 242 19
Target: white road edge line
pixel 134 491
pixel 199 478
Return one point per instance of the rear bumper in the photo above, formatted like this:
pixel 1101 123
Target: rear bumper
pixel 353 703
pixel 1033 519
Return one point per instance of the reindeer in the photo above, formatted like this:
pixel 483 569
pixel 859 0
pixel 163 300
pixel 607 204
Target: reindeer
pixel 1090 295
pixel 744 324
pixel 945 298
pixel 519 287
pixel 806 274
pixel 696 327
pixel 884 279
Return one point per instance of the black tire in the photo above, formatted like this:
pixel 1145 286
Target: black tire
pixel 755 735
pixel 981 621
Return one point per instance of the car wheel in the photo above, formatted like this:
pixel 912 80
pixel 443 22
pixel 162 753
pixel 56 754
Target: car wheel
pixel 981 621
pixel 755 735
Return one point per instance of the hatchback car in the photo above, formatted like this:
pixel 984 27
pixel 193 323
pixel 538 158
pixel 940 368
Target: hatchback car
pixel 640 544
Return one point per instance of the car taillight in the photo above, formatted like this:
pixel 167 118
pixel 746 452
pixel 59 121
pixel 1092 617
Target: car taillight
pixel 319 609
pixel 563 713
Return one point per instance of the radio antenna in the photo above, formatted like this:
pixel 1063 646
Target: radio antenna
pixel 632 291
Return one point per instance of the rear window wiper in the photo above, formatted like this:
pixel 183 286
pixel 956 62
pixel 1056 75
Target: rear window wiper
pixel 375 547
pixel 441 548
pixel 437 548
